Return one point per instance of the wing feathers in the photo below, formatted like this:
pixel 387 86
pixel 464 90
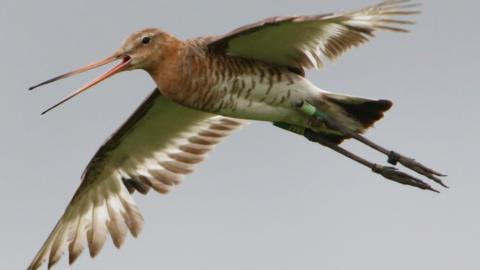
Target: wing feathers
pixel 177 167
pixel 57 246
pixel 192 153
pixel 203 140
pixel 158 186
pixel 98 231
pixel 76 246
pixel 155 150
pixel 137 183
pixel 309 41
pixel 131 215
pixel 116 225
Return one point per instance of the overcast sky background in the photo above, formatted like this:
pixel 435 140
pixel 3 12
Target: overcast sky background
pixel 265 199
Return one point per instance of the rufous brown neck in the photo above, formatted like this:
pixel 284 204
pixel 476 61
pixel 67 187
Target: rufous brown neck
pixel 165 68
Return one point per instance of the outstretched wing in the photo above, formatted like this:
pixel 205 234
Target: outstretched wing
pixel 300 42
pixel 158 144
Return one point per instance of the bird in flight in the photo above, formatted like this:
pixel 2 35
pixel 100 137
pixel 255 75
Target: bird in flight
pixel 208 87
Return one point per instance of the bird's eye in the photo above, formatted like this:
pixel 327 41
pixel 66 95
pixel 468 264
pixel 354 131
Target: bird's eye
pixel 146 40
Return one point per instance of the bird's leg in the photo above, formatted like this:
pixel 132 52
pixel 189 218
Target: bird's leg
pixel 393 157
pixel 390 173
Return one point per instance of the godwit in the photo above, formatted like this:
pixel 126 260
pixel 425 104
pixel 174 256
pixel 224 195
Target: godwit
pixel 204 87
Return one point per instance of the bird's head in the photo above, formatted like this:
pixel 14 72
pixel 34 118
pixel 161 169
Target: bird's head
pixel 142 50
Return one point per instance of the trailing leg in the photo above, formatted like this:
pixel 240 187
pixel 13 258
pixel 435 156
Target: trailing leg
pixel 390 173
pixel 322 119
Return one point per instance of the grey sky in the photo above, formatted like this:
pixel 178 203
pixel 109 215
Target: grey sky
pixel 265 199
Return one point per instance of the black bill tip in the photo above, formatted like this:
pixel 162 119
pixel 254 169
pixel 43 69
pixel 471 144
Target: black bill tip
pixel 49 81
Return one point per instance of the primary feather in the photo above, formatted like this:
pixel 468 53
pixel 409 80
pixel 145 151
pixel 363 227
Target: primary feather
pixel 304 42
pixel 155 148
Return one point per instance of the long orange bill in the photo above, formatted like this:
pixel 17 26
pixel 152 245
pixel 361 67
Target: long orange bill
pixel 118 68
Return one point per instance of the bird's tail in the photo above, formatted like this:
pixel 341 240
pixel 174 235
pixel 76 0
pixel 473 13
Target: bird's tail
pixel 356 113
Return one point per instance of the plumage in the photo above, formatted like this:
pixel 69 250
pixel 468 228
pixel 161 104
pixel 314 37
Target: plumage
pixel 205 87
pixel 116 226
pixel 76 245
pixel 307 41
pixel 102 205
pixel 97 233
pixel 131 215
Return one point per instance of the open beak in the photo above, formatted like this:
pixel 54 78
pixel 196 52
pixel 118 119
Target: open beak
pixel 118 68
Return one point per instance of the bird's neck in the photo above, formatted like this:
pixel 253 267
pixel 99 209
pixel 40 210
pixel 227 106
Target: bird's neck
pixel 167 65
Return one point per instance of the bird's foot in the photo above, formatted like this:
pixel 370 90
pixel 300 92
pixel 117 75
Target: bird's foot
pixel 412 164
pixel 395 175
pixel 319 118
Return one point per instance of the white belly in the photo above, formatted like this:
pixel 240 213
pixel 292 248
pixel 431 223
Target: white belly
pixel 266 100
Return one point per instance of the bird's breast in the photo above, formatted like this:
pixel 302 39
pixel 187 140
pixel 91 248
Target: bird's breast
pixel 240 88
